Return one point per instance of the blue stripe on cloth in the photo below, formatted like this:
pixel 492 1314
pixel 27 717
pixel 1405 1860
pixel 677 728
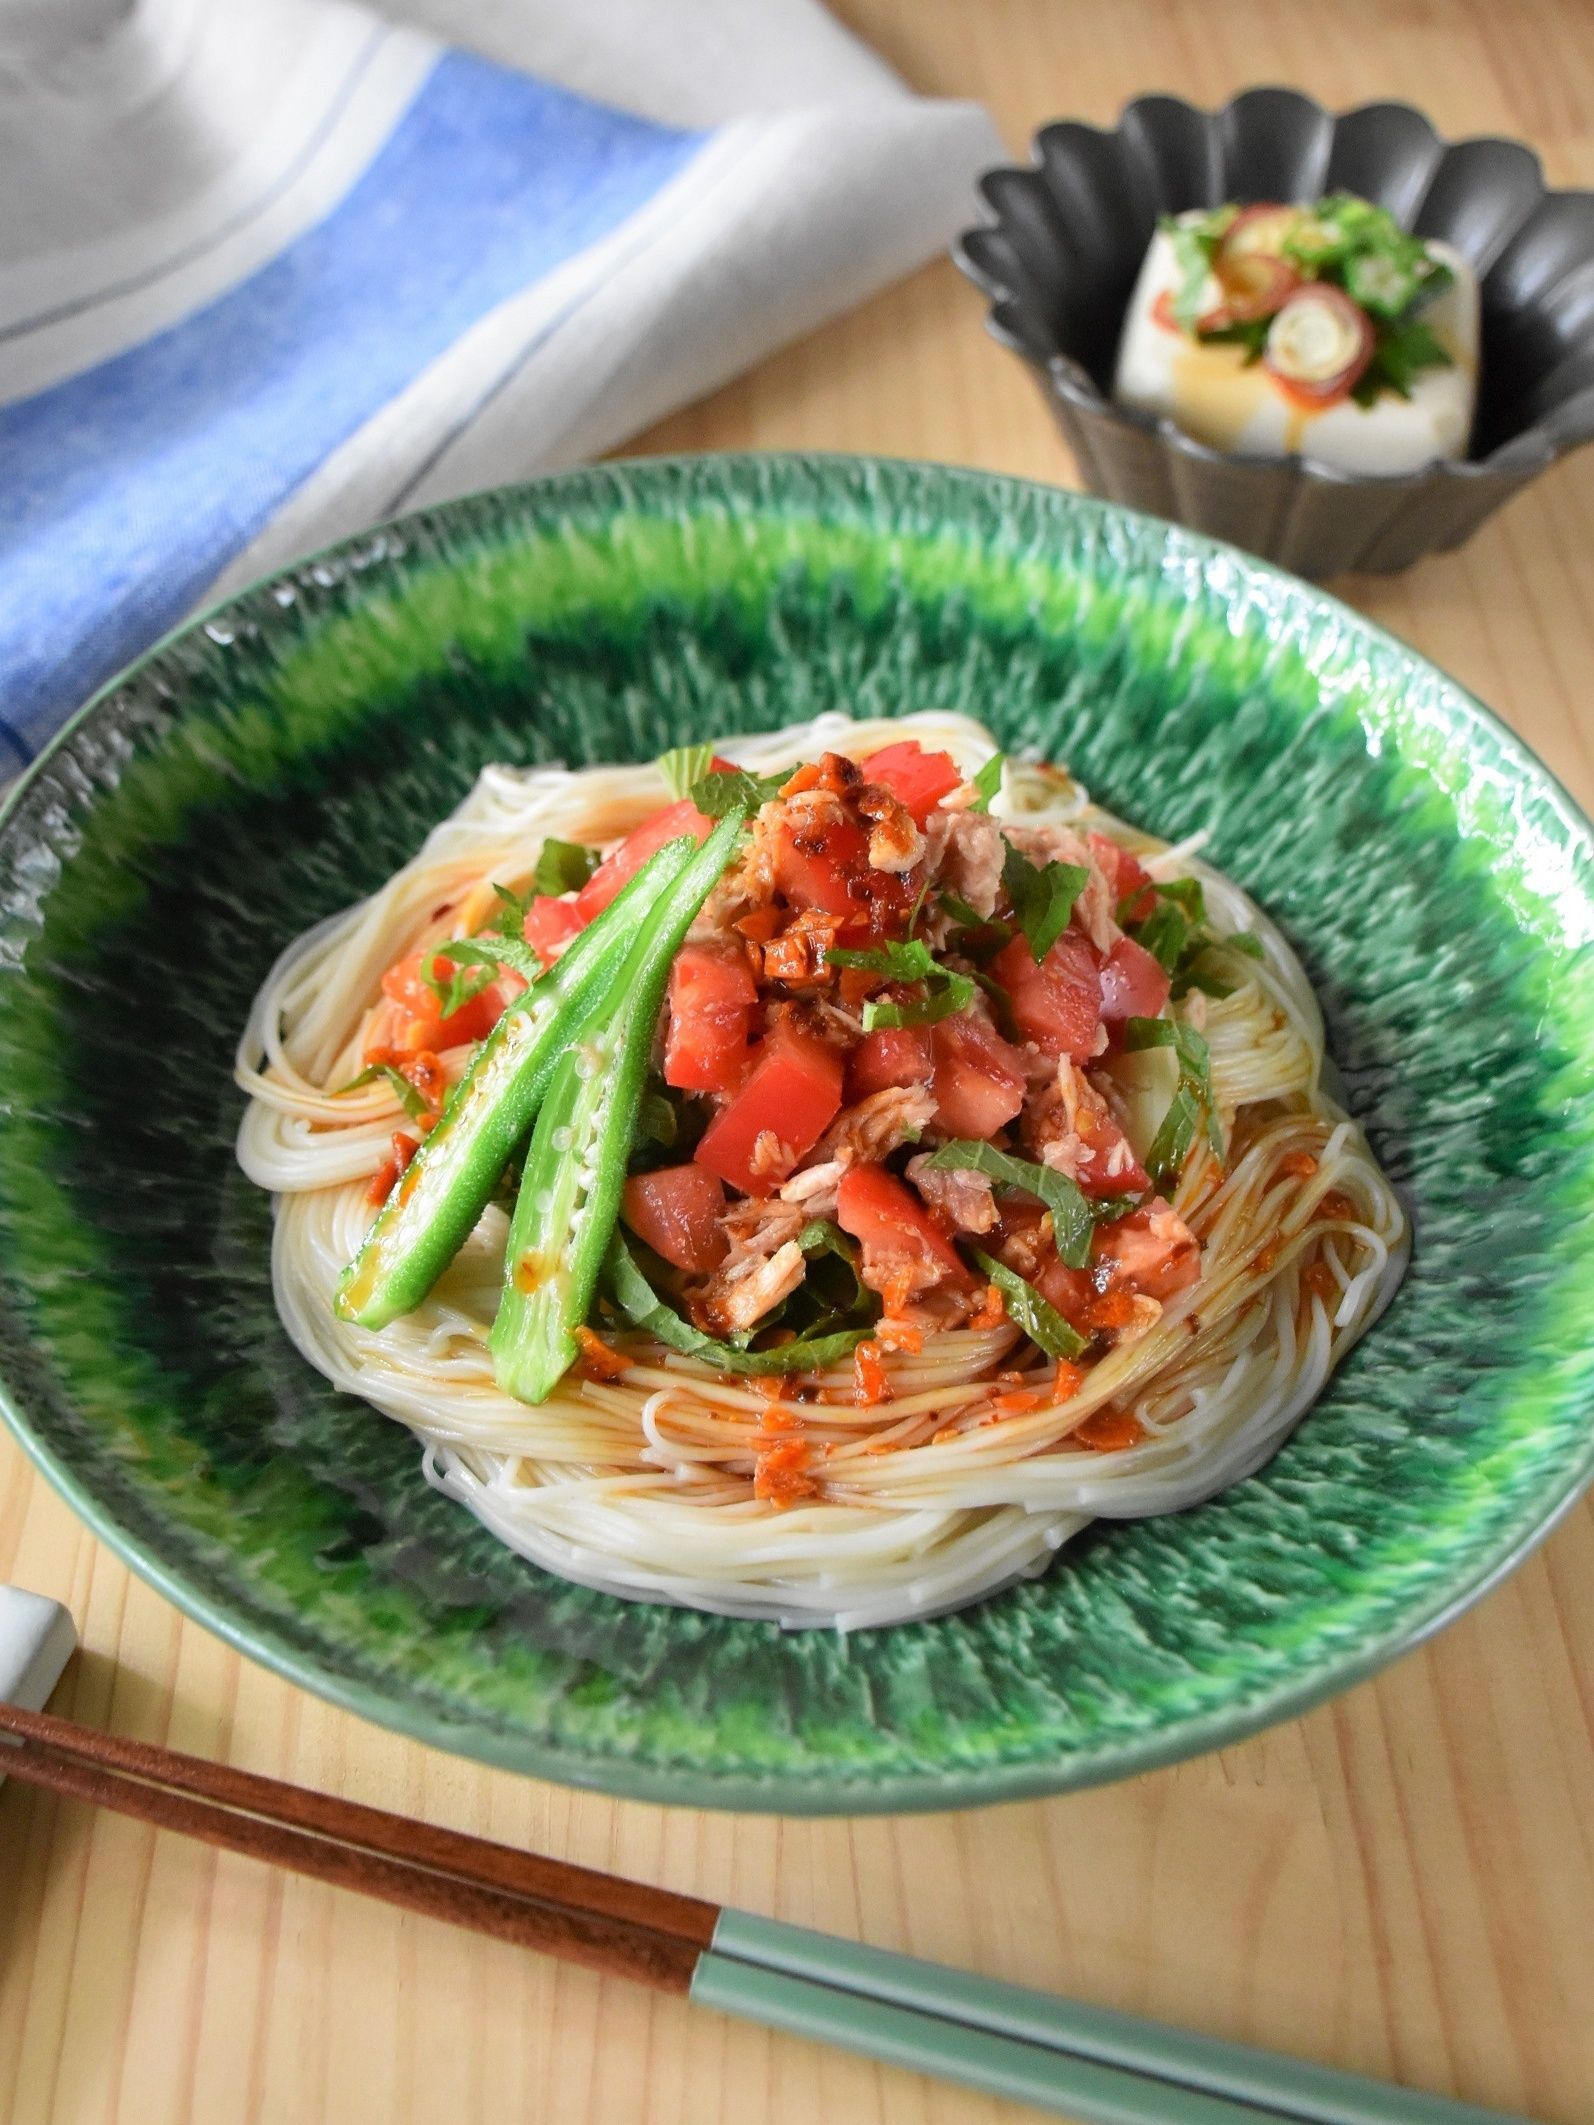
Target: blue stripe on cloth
pixel 126 490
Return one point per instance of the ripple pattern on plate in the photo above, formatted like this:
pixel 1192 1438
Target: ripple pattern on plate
pixel 258 772
pixel 1066 238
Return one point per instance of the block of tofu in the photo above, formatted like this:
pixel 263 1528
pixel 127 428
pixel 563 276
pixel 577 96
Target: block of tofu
pixel 1210 391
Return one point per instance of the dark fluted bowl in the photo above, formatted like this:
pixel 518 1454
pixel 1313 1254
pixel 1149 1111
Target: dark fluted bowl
pixel 1066 239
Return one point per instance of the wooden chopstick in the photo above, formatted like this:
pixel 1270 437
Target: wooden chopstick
pixel 1099 2067
pixel 416 1844
pixel 170 1791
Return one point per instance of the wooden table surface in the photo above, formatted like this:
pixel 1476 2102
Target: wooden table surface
pixel 1402 1882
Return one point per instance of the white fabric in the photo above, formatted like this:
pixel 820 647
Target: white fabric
pixel 152 157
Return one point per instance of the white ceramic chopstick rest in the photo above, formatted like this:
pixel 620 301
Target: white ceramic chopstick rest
pixel 36 1642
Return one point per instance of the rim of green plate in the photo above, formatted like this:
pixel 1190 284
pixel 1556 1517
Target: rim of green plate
pixel 897 1791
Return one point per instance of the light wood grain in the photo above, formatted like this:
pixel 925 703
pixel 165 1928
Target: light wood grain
pixel 1403 1882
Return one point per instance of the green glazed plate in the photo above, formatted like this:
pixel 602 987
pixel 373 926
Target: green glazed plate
pixel 285 754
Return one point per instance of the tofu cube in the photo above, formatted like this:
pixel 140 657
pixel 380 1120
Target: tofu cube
pixel 1209 390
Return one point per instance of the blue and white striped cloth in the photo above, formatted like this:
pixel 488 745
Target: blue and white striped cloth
pixel 275 269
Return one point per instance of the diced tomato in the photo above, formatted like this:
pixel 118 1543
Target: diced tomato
pixel 712 1001
pixel 1126 875
pixel 423 1024
pixel 979 1080
pixel 893 1227
pixel 1107 1164
pixel 785 1105
pixel 1058 1003
pixel 917 779
pixel 679 1211
pixel 642 842
pixel 1152 1250
pixel 823 866
pixel 891 1055
pixel 549 926
pixel 1070 1291
pixel 1133 984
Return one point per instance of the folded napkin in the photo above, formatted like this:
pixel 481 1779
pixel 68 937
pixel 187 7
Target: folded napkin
pixel 274 270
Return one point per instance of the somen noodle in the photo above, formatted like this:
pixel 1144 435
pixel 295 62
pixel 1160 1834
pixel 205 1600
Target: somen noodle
pixel 970 1454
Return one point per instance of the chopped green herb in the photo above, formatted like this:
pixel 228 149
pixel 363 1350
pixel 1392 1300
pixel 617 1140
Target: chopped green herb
pixel 1186 893
pixel 1247 332
pixel 642 1306
pixel 513 909
pixel 1001 1006
pixel 1176 934
pixel 1195 246
pixel 684 766
pixel 1192 1103
pixel 1346 242
pixel 492 952
pixel 1165 934
pixel 1108 1209
pixel 948 994
pixel 1193 977
pixel 1041 1322
pixel 988 782
pixel 734 789
pixel 1043 897
pixel 1191 974
pixel 971 918
pixel 405 1093
pixel 1399 357
pixel 839 1295
pixel 912 961
pixel 1176 1132
pixel 1072 1222
pixel 563 867
pixel 822 1235
pixel 656 1121
pixel 918 905
pixel 979 937
pixel 460 988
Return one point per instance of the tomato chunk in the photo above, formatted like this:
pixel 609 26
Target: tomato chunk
pixel 422 1024
pixel 712 1001
pixel 1152 1250
pixel 1069 1291
pixel 1126 875
pixel 1106 1161
pixel 917 779
pixel 823 865
pixel 642 842
pixel 788 1100
pixel 979 1080
pixel 678 1211
pixel 891 1055
pixel 549 926
pixel 1133 984
pixel 894 1229
pixel 1058 1003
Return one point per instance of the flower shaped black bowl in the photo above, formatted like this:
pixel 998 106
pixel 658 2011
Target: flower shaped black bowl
pixel 1060 255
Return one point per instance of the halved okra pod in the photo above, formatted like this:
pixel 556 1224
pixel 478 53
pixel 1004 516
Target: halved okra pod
pixel 570 1188
pixel 435 1203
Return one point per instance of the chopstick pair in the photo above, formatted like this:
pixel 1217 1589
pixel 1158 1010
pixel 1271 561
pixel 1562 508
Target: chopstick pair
pixel 1097 2066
